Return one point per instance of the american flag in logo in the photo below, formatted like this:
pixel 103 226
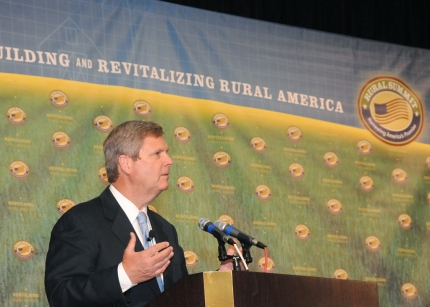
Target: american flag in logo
pixel 396 109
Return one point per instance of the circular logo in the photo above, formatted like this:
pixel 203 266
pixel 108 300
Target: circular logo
pixel 364 147
pixel 373 244
pixel 405 221
pixel 341 274
pixel 103 123
pixel 302 232
pixel 142 108
pixel 270 264
pixel 152 208
pixel 399 175
pixel 409 291
pixel 16 116
pixel 61 140
pixel 258 144
pixel 220 121
pixel 19 169
pixel 222 159
pixel 391 111
pixel 294 134
pixel 263 192
pixel 428 162
pixel 182 135
pixel 185 184
pixel 103 176
pixel 24 250
pixel 366 184
pixel 191 259
pixel 64 204
pixel 226 218
pixel 58 99
pixel 334 206
pixel 296 171
pixel 331 160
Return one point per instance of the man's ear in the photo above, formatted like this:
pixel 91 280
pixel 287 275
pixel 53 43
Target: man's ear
pixel 124 164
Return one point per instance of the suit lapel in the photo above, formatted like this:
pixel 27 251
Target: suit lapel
pixel 121 225
pixel 157 226
pixel 161 236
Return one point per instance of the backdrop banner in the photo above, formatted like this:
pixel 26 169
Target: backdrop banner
pixel 315 144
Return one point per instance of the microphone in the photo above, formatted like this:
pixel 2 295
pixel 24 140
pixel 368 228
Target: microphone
pixel 151 235
pixel 244 238
pixel 208 226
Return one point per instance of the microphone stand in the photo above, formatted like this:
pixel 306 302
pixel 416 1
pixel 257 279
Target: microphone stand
pixel 222 254
pixel 236 263
pixel 246 253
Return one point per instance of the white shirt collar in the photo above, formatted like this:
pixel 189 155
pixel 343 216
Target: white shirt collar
pixel 127 206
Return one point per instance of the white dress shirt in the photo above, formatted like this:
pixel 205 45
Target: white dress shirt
pixel 131 211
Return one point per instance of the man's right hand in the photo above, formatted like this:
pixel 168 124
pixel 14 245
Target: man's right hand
pixel 144 265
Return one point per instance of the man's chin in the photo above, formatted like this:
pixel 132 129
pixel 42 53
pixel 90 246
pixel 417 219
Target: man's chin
pixel 164 187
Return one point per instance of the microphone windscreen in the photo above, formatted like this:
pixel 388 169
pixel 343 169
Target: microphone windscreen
pixel 202 223
pixel 151 235
pixel 220 224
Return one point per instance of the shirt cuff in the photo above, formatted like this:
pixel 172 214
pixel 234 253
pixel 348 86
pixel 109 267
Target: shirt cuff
pixel 124 281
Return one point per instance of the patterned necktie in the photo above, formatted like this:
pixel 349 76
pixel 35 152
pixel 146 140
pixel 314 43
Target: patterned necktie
pixel 142 220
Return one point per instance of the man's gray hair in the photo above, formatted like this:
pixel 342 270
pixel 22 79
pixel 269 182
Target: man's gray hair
pixel 127 139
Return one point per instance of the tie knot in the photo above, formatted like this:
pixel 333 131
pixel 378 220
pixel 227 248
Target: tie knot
pixel 141 218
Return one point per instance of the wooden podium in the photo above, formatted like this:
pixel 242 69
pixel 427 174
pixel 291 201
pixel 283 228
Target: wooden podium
pixel 251 289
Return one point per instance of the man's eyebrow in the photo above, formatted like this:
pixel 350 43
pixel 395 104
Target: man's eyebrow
pixel 159 149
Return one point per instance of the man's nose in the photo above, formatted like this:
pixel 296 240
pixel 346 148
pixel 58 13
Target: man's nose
pixel 169 160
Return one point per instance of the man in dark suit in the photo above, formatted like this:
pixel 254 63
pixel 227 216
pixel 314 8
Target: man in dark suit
pixel 96 255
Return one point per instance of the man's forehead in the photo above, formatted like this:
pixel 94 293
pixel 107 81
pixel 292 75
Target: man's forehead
pixel 152 142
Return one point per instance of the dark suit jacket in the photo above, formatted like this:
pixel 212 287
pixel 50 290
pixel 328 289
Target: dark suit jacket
pixel 87 244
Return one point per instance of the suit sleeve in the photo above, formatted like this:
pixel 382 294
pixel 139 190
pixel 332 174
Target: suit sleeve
pixel 71 278
pixel 183 267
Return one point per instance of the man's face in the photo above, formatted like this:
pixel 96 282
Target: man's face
pixel 150 172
